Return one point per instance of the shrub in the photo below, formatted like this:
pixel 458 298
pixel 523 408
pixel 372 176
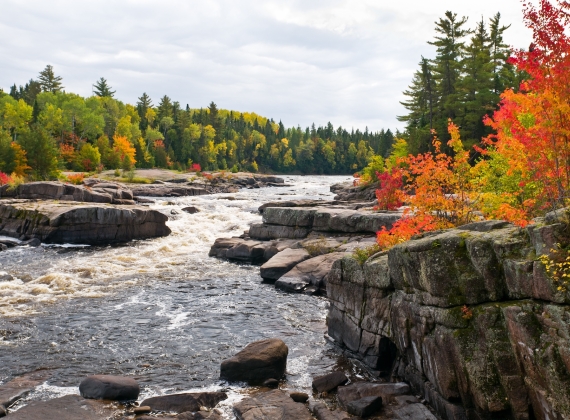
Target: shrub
pixel 76 179
pixel 4 178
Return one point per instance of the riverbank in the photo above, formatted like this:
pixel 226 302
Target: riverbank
pixel 159 310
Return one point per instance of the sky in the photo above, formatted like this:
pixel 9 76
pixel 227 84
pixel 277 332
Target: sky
pixel 343 61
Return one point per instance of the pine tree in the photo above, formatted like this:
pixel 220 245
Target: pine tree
pixel 49 82
pixel 102 89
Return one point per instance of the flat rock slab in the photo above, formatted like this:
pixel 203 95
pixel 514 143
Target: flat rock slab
pixel 273 405
pixel 265 232
pixel 365 407
pixel 329 382
pixel 312 272
pixel 359 390
pixel 70 407
pixel 257 362
pixel 321 412
pixel 352 221
pixel 238 249
pixel 167 191
pixel 180 403
pixel 282 263
pixel 12 391
pixel 107 387
pixel 80 223
pixel 413 412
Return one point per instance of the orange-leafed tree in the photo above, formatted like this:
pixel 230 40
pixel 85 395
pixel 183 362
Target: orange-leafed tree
pixel 532 125
pixel 125 150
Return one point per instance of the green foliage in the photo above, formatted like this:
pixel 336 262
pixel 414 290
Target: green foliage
pixel 362 254
pixel 42 153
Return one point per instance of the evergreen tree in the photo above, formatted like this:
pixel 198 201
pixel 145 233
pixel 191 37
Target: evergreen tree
pixel 102 89
pixel 48 81
pixel 447 66
pixel 164 108
pixel 476 87
pixel 143 105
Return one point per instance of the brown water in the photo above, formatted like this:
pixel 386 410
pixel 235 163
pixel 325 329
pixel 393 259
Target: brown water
pixel 161 309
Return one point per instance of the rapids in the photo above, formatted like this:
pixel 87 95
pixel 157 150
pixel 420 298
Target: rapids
pixel 159 309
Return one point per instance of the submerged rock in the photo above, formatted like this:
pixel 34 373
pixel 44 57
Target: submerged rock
pixel 107 387
pixel 80 223
pixel 12 391
pixel 257 362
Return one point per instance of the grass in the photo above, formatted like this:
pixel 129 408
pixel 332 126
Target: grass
pixel 362 254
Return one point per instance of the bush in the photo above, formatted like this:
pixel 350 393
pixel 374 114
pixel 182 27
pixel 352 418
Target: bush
pixel 75 179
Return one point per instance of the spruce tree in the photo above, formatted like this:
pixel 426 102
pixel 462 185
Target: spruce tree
pixel 164 108
pixel 447 66
pixel 48 81
pixel 102 89
pixel 476 87
pixel 143 104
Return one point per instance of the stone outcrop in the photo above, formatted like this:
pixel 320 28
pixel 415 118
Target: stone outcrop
pixel 257 362
pixel 299 222
pixel 80 223
pixel 282 262
pixel 310 273
pixel 106 192
pixel 347 192
pixel 107 387
pixel 468 317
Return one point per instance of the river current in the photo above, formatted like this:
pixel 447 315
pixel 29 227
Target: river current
pixel 160 310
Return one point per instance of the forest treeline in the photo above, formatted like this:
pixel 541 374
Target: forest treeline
pixel 44 129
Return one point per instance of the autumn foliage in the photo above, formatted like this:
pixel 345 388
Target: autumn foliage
pixel 525 166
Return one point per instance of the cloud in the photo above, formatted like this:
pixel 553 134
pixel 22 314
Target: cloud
pixel 341 61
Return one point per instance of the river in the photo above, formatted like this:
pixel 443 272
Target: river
pixel 160 310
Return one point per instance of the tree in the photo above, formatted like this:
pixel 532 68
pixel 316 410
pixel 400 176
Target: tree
pixel 49 82
pixel 164 108
pixel 447 65
pixel 143 105
pixel 102 89
pixel 41 153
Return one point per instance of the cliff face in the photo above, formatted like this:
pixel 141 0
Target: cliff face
pixel 507 357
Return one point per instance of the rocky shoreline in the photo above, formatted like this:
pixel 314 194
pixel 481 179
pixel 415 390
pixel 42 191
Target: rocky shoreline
pixel 467 317
pixel 101 212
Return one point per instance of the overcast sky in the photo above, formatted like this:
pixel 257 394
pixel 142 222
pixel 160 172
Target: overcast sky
pixel 307 61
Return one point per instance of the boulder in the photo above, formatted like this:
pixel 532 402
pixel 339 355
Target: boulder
pixel 282 263
pixel 359 390
pixel 312 272
pixel 70 407
pixel 180 403
pixel 83 223
pixel 300 397
pixel 271 405
pixel 107 387
pixel 328 382
pixel 365 407
pixel 257 362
